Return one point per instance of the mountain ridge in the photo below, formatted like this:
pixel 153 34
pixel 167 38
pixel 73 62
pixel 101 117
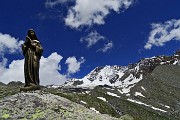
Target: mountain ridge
pixel 124 76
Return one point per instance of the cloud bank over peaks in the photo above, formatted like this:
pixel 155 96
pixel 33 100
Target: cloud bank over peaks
pixel 74 65
pixel 9 44
pixel 49 69
pixel 163 32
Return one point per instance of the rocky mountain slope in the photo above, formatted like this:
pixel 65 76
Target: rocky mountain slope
pixel 160 89
pixel 150 86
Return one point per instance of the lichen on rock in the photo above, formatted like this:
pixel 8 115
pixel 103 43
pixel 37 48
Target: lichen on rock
pixel 45 106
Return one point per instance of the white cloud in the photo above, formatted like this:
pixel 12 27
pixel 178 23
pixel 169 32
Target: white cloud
pixel 89 12
pixel 52 3
pixel 9 44
pixel 106 47
pixel 162 33
pixel 3 64
pixel 14 72
pixel 49 70
pixel 92 38
pixel 74 65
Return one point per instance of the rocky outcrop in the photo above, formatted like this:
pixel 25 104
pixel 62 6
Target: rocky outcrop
pixel 15 83
pixel 2 84
pixel 45 106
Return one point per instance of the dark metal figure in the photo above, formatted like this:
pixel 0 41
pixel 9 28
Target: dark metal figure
pixel 32 51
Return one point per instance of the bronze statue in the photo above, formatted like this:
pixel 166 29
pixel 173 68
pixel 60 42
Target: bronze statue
pixel 32 51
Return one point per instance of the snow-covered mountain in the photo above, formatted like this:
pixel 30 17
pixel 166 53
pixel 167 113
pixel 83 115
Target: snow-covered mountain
pixel 124 77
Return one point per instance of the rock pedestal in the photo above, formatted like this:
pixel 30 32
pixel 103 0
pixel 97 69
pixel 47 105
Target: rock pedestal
pixel 31 87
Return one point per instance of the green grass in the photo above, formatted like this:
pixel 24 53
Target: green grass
pixel 92 101
pixel 138 112
pixel 8 91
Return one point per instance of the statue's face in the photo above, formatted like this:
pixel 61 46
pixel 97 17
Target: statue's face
pixel 32 34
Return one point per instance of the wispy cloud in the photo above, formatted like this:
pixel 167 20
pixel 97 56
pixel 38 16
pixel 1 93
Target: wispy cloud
pixel 73 64
pixel 9 44
pixel 92 38
pixel 52 3
pixel 163 32
pixel 106 47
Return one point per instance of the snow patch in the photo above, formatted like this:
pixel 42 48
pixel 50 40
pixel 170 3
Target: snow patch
pixel 139 94
pixel 166 106
pixel 87 92
pixel 55 86
pixel 104 99
pixel 143 88
pixel 83 102
pixel 94 110
pixel 113 94
pixel 141 103
pixel 175 62
pixel 127 85
pixel 125 90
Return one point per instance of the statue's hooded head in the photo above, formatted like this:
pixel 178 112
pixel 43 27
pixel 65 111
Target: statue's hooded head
pixel 32 34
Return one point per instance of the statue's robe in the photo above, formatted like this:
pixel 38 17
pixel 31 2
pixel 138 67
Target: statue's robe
pixel 32 56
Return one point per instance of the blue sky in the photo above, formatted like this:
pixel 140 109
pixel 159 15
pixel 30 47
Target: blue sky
pixel 80 35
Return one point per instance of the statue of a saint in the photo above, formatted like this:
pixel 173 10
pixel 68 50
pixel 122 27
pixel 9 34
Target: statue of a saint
pixel 32 51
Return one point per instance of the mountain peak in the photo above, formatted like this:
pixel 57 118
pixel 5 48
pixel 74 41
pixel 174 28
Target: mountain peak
pixel 124 77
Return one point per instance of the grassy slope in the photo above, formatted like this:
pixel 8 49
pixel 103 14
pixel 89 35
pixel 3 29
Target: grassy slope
pixel 162 88
pixel 138 112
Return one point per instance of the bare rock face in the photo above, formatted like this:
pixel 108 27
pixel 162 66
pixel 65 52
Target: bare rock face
pixel 45 106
